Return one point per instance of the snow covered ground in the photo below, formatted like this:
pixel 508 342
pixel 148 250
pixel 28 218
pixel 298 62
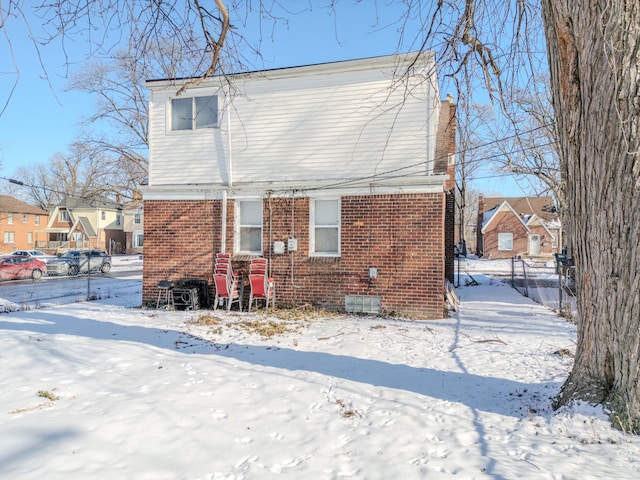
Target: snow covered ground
pixel 105 390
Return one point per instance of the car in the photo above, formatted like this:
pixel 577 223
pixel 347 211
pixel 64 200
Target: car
pixel 75 261
pixel 40 255
pixel 14 267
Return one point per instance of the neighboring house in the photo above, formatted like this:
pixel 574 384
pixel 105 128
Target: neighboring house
pixel 19 224
pixel 527 227
pixel 78 223
pixel 341 174
pixel 134 227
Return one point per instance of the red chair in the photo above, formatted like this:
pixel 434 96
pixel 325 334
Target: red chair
pixel 262 286
pixel 228 285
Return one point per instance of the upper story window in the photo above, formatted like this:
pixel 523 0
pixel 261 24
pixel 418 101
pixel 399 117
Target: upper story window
pixel 505 241
pixel 103 215
pixel 248 236
pixel 37 220
pixel 117 220
pixel 25 218
pixel 10 219
pixel 325 228
pixel 63 216
pixel 194 112
pixel 137 219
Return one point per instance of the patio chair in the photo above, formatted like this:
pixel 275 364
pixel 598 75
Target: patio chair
pixel 228 286
pixel 262 286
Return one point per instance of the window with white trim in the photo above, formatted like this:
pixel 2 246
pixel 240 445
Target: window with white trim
pixel 10 219
pixel 37 220
pixel 505 241
pixel 325 228
pixel 63 216
pixel 9 237
pixel 138 239
pixel 248 236
pixel 25 218
pixel 137 218
pixel 29 237
pixel 191 113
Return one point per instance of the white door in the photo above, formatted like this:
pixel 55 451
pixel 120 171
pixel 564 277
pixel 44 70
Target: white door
pixel 534 245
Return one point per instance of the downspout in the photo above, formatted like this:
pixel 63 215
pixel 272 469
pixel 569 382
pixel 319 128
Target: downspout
pixel 223 232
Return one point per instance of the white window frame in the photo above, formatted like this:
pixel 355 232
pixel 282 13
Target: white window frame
pixel 137 219
pixel 10 219
pixel 194 117
pixel 239 226
pixel 137 235
pixel 9 237
pixel 64 216
pixel 30 238
pixel 37 220
pixel 25 218
pixel 506 237
pixel 313 226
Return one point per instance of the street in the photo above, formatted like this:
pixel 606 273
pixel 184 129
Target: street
pixel 124 277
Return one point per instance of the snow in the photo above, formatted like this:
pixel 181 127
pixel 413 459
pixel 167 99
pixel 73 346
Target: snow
pixel 159 394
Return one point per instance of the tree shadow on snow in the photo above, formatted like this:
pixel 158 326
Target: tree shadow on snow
pixel 481 393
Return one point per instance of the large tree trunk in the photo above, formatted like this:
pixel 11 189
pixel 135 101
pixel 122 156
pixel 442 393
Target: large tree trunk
pixel 594 56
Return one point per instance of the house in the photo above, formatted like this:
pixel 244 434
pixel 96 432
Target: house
pixel 527 227
pixel 340 174
pixel 134 226
pixel 19 224
pixel 82 223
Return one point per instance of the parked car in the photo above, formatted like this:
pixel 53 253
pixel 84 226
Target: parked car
pixel 40 255
pixel 75 261
pixel 13 267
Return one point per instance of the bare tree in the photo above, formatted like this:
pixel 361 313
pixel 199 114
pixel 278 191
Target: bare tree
pixel 83 172
pixel 594 53
pixel 524 142
pixel 471 156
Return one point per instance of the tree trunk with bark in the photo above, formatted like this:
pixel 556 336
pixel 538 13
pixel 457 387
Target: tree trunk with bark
pixel 594 57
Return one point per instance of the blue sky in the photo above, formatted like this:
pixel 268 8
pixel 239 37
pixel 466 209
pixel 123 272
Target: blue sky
pixel 42 118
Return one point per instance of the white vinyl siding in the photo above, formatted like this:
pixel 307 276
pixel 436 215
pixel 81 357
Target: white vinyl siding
pixel 505 241
pixel 338 122
pixel 325 228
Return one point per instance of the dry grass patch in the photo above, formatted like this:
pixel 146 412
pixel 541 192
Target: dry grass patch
pixel 269 328
pixel 206 320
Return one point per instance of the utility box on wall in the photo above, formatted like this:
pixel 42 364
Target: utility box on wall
pixel 278 248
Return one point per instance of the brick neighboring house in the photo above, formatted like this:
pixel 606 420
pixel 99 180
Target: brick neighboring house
pixel 341 174
pixel 527 227
pixel 78 223
pixel 19 224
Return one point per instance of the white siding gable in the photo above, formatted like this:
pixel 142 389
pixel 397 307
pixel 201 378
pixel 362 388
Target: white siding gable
pixel 331 123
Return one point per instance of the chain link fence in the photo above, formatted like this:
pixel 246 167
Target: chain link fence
pixel 551 284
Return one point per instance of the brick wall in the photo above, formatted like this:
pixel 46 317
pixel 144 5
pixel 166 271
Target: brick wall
pixel 506 222
pixel 180 240
pixel 401 235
